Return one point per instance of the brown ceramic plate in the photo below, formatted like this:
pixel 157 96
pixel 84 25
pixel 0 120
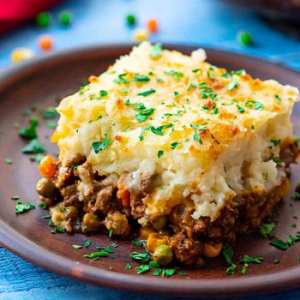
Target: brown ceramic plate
pixel 41 82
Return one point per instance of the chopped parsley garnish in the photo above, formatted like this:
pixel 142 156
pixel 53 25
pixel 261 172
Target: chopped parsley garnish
pixel 49 113
pixel 243 269
pixel 77 247
pixel 175 144
pixel 103 93
pixel 176 94
pixel 34 146
pixel 96 254
pixel 249 259
pixel 252 104
pixel 160 153
pixel 197 137
pixel 30 132
pixel 141 78
pixel 128 266
pixel 266 229
pixel 120 79
pixel 142 269
pixel 143 257
pixel 210 75
pixel 198 127
pixel 110 233
pixel 231 270
pixel 147 93
pixel 51 124
pixel 58 230
pixel 241 109
pixel 156 51
pixel 157 272
pixel 8 161
pixel 182 274
pixel 159 80
pixel 46 217
pixel 233 84
pixel 239 72
pixel 114 245
pixel 100 146
pixel 276 261
pixel 278 98
pixel 168 272
pixel 137 243
pixel 275 142
pixel 293 239
pixel 159 130
pixel 195 70
pixel 143 114
pixel 228 254
pixel 87 243
pixel 279 244
pixel 15 198
pixel 176 75
pixel 296 196
pixel 42 205
pixel 21 208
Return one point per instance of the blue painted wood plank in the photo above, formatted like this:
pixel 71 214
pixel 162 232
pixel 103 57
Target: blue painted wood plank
pixel 199 22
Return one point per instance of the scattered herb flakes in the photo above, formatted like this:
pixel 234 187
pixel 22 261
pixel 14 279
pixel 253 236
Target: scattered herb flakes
pixel 176 75
pixel 157 272
pixel 77 247
pixel 46 217
pixel 228 254
pixel 142 269
pixel 156 51
pixel 51 124
pixel 141 78
pixel 176 94
pixel 87 243
pixel 198 127
pixel 159 130
pixel 100 146
pixel 197 137
pixel 96 254
pixel 147 93
pixel 49 113
pixel 137 243
pixel 160 153
pixel 276 261
pixel 103 93
pixel 249 259
pixel 159 80
pixel 168 272
pixel 8 161
pixel 240 109
pixel 296 196
pixel 266 229
pixel 174 145
pixel 154 264
pixel 298 259
pixel 231 270
pixel 278 98
pixel 51 223
pixel 293 239
pixel 128 266
pixel 243 269
pixel 279 244
pixel 42 205
pixel 34 146
pixel 182 274
pixel 15 198
pixel 121 79
pixel 144 114
pixel 143 257
pixel 233 84
pixel 254 105
pixel 110 233
pixel 30 132
pixel 21 208
pixel 109 249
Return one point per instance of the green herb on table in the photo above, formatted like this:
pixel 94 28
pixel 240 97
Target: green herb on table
pixel 266 229
pixel 8 161
pixel 128 266
pixel 15 198
pixel 245 38
pixel 276 261
pixel 87 243
pixel 244 268
pixel 137 243
pixel 143 257
pixel 279 244
pixel 168 272
pixel 77 247
pixel 228 254
pixel 21 208
pixel 231 270
pixel 30 132
pixel 34 146
pixel 51 124
pixel 250 259
pixel 49 113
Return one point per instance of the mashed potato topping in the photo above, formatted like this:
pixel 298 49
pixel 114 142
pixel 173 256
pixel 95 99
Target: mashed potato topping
pixel 207 133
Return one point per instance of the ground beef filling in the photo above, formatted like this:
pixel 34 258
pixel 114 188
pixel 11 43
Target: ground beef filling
pixel 108 206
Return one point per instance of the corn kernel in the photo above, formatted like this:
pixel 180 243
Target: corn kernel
pixel 20 54
pixel 140 35
pixel 152 25
pixel 46 42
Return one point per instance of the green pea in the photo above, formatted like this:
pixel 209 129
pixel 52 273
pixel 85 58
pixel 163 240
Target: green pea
pixel 65 18
pixel 130 19
pixel 245 38
pixel 163 255
pixel 91 222
pixel 46 188
pixel 43 19
pixel 160 222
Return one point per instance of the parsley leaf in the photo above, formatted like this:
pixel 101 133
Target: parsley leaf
pixel 160 153
pixel 254 105
pixel 147 93
pixel 198 127
pixel 21 208
pixel 266 229
pixel 141 78
pixel 241 109
pixel 228 254
pixel 159 130
pixel 157 272
pixel 34 146
pixel 49 113
pixel 244 268
pixel 99 146
pixel 231 270
pixel 175 144
pixel 30 132
pixel 168 272
pixel 140 256
pixel 197 137
pixel 156 51
pixel 249 259
pixel 142 269
pixel 143 114
pixel 233 84
pixel 279 244
pixel 137 243
pixel 128 266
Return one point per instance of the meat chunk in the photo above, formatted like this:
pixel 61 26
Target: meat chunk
pixel 65 177
pixel 187 251
pixel 103 200
pixel 70 195
pixel 117 222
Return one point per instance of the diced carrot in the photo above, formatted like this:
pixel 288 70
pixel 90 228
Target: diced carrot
pixel 47 167
pixel 125 196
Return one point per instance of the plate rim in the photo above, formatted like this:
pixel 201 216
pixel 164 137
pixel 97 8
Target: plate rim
pixel 21 246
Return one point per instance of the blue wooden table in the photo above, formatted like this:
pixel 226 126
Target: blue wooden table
pixel 198 22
